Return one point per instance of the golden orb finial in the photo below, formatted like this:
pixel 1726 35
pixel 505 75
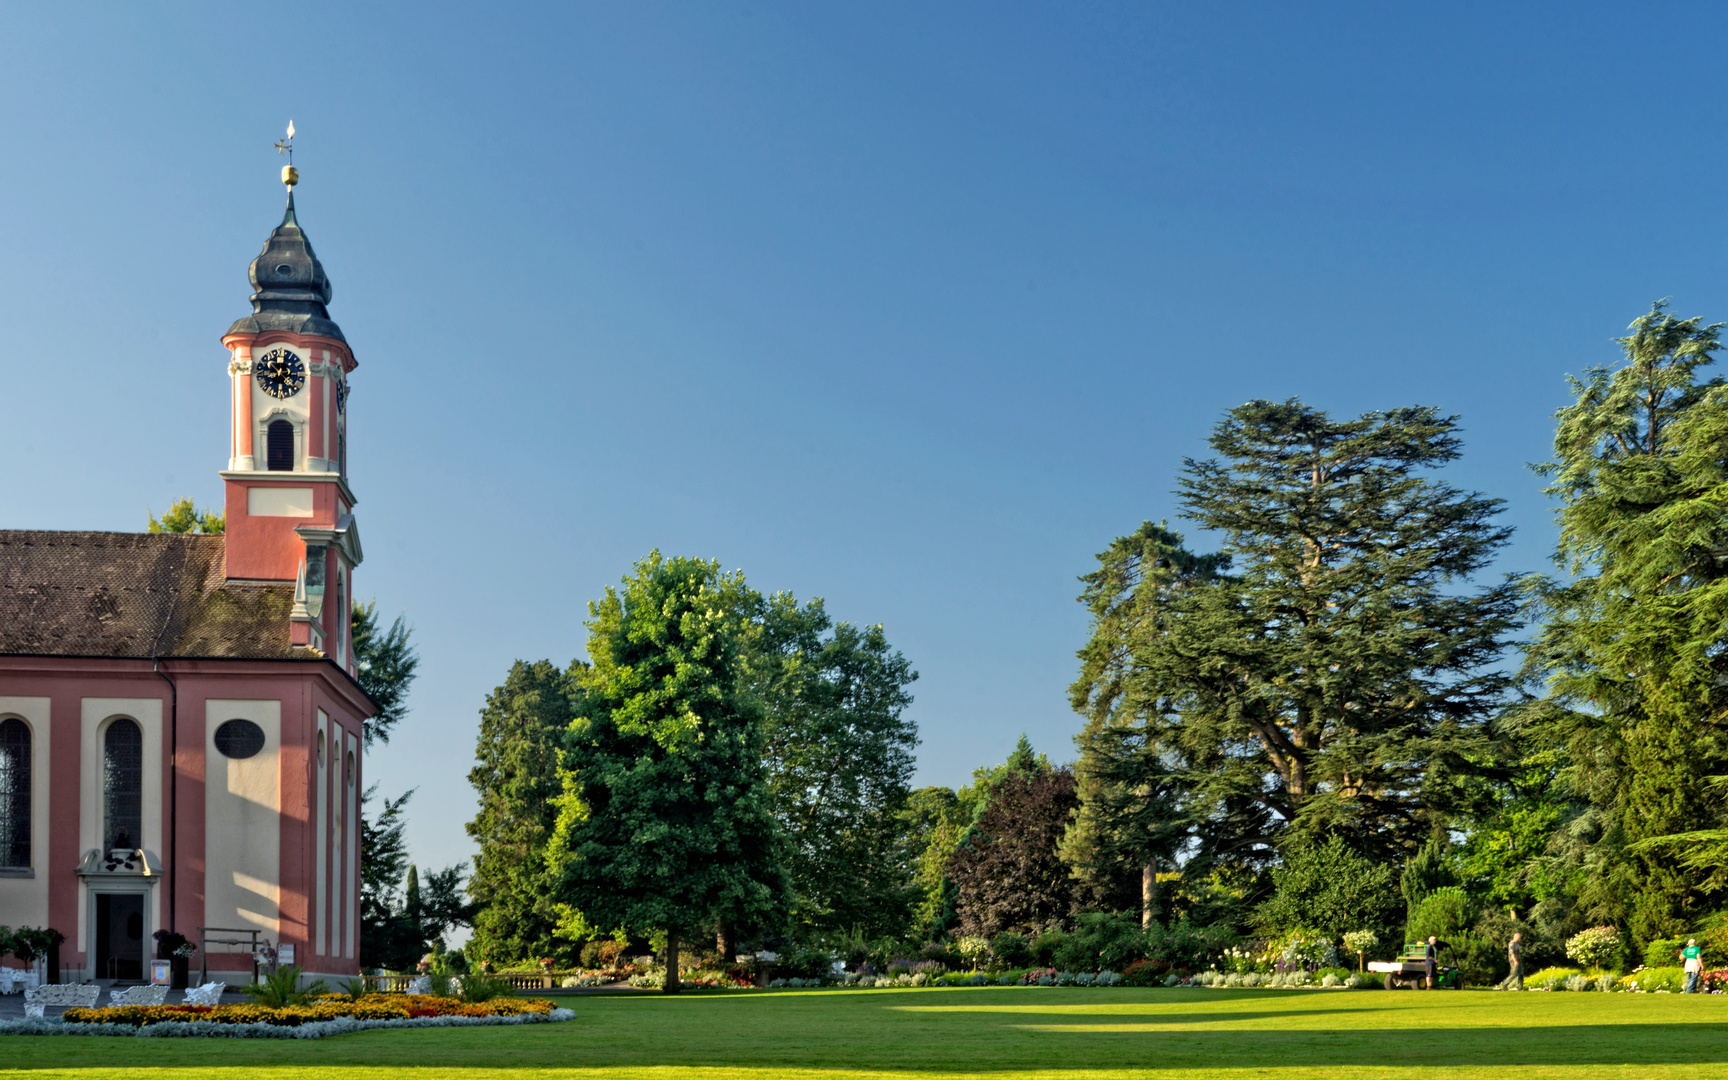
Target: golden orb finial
pixel 290 175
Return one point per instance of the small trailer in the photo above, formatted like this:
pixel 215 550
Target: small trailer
pixel 1410 970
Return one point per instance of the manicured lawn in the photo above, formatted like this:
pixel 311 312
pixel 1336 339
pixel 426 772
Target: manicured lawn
pixel 1025 1032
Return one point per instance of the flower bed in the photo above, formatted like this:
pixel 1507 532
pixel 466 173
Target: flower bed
pixel 331 1007
pixel 316 1029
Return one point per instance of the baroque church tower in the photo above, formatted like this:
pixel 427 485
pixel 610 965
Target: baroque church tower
pixel 290 509
pixel 182 727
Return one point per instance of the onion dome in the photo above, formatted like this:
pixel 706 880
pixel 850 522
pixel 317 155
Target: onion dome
pixel 291 287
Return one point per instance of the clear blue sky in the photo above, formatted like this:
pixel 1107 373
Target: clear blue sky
pixel 912 307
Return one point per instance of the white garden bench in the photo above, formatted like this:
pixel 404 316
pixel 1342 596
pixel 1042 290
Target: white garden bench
pixel 208 994
pixel 138 995
pixel 422 985
pixel 65 995
pixel 13 980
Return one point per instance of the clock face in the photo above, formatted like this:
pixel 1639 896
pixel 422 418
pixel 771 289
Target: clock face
pixel 281 374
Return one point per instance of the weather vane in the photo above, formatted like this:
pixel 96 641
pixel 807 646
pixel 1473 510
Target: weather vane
pixel 290 175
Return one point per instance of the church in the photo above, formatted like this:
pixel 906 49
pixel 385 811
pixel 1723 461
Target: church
pixel 180 721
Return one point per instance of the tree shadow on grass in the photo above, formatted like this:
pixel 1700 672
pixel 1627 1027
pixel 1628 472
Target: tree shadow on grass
pixel 1079 1015
pixel 1154 1046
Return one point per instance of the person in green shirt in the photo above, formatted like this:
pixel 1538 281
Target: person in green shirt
pixel 1694 957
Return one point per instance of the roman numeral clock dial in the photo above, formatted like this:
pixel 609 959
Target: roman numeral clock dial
pixel 281 374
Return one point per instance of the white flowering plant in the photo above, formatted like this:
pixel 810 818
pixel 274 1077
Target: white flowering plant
pixel 1307 948
pixel 1595 947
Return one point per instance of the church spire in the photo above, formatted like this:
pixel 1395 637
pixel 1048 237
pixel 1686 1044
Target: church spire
pixel 290 288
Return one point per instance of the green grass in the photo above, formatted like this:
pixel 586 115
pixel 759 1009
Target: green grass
pixel 1025 1032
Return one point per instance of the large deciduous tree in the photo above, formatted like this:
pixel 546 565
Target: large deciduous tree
pixel 516 775
pixel 1630 647
pixel 183 517
pixel 839 756
pixel 666 821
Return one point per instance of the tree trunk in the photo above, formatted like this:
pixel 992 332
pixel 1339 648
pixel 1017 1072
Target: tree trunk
pixel 1148 893
pixel 671 962
pixel 723 943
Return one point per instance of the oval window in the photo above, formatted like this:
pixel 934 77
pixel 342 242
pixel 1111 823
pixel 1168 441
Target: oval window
pixel 320 749
pixel 239 738
pixel 283 269
pixel 348 769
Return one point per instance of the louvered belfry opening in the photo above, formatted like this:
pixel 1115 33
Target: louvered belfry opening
pixel 279 446
pixel 14 794
pixel 123 785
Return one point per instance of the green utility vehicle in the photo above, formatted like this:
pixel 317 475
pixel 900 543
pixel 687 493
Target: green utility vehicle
pixel 1410 970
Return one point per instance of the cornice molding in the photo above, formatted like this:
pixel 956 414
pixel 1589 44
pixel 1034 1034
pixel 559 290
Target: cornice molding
pixel 279 477
pixel 337 349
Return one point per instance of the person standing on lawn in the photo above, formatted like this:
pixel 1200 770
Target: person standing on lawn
pixel 1694 957
pixel 1431 959
pixel 1515 957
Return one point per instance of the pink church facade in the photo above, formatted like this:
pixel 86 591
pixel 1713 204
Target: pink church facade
pixel 180 718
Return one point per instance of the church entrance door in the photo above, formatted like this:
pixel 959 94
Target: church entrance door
pixel 120 936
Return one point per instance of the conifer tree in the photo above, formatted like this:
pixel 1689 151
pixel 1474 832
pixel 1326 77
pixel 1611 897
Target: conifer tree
pixel 666 821
pixel 1339 678
pixel 516 775
pixel 386 662
pixel 1137 805
pixel 1636 681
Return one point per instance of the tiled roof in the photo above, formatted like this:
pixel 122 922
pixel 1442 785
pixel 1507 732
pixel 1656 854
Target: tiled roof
pixel 134 595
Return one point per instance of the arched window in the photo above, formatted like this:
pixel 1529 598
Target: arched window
pixel 14 793
pixel 123 786
pixel 279 446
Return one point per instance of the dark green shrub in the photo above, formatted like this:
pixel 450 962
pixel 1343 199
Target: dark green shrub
pixel 476 988
pixel 1186 944
pixel 942 952
pixel 1010 950
pixel 1101 941
pixel 806 962
pixel 591 955
pixel 1443 913
pixel 1331 888
pixel 1045 946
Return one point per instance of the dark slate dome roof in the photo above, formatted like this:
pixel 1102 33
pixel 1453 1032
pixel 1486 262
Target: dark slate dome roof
pixel 291 286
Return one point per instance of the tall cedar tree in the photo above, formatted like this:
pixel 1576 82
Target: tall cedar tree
pixel 1341 680
pixel 1138 798
pixel 1637 683
pixel 666 821
pixel 516 775
pixel 839 755
pixel 1008 871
